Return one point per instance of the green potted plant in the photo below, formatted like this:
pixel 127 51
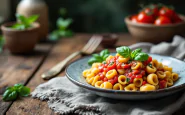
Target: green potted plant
pixel 21 36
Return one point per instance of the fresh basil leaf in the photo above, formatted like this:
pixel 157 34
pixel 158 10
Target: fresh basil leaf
pixel 32 19
pixel 63 23
pixel 124 51
pixel 136 51
pixel 21 19
pixel 141 56
pixel 97 57
pixel 104 52
pixel 18 26
pixel 10 95
pixel 93 60
pixel 105 56
pixel 24 91
pixel 127 80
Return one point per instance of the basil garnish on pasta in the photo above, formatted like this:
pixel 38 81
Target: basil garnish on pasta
pixel 99 57
pixel 136 54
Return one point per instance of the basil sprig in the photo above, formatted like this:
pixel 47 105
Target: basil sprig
pixel 18 90
pixel 136 54
pixel 99 57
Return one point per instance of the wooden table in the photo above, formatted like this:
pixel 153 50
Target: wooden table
pixel 27 69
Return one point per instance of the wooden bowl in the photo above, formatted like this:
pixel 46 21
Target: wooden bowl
pixel 20 41
pixel 153 33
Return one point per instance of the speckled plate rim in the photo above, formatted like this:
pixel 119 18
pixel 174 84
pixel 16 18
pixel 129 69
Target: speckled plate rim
pixel 89 87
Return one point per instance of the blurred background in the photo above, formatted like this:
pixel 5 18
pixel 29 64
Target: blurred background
pixel 90 16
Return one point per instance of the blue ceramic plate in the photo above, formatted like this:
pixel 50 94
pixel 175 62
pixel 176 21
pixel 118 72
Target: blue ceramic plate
pixel 75 69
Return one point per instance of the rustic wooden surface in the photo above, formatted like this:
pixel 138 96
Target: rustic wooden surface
pixel 27 70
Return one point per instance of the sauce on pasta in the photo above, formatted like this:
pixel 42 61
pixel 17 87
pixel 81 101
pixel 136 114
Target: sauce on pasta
pixel 120 73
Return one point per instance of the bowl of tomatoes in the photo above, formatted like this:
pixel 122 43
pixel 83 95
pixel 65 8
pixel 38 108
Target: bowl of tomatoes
pixel 155 23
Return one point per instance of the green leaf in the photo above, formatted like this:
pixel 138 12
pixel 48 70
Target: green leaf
pixel 93 60
pixel 21 19
pixel 10 94
pixel 103 52
pixel 141 56
pixel 97 57
pixel 135 52
pixel 127 80
pixel 32 18
pixel 24 91
pixel 105 56
pixel 18 26
pixel 124 51
pixel 63 23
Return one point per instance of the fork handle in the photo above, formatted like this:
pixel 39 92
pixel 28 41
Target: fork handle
pixel 57 68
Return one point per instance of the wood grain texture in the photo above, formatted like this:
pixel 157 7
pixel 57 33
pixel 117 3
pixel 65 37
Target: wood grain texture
pixel 61 50
pixel 19 69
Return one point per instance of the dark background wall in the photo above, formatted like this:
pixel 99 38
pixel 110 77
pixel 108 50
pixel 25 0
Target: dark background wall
pixel 97 16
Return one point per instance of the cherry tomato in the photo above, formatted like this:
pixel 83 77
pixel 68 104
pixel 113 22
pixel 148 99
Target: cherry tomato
pixel 112 81
pixel 119 66
pixel 115 79
pixel 149 59
pixel 138 76
pixel 112 65
pixel 136 72
pixel 105 79
pixel 144 82
pixel 125 66
pixel 176 18
pixel 100 68
pixel 101 76
pixel 162 84
pixel 142 72
pixel 145 18
pixel 105 70
pixel 155 10
pixel 134 18
pixel 161 20
pixel 165 11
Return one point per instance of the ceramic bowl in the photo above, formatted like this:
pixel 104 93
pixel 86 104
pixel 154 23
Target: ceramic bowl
pixel 75 69
pixel 153 33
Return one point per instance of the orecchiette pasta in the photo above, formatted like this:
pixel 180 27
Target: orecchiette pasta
pixel 147 87
pixel 118 86
pixel 111 73
pixel 122 79
pixel 174 76
pixel 123 73
pixel 152 79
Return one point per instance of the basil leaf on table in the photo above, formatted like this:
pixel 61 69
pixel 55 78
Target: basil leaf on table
pixel 10 94
pixel 141 56
pixel 13 92
pixel 124 51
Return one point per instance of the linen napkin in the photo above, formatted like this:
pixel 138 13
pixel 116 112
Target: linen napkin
pixel 66 98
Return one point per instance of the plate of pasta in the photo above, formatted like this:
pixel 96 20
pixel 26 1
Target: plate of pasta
pixel 127 74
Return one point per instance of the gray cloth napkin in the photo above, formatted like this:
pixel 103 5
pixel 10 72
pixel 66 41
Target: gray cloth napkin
pixel 66 98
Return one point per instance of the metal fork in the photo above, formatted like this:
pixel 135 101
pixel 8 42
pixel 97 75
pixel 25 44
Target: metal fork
pixel 89 48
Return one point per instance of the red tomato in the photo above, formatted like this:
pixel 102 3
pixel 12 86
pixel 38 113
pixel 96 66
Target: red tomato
pixel 119 66
pixel 112 81
pixel 115 79
pixel 136 72
pixel 176 18
pixel 161 20
pixel 162 84
pixel 142 72
pixel 125 66
pixel 145 18
pixel 144 82
pixel 100 68
pixel 149 59
pixel 105 79
pixel 111 65
pixel 167 12
pixel 153 10
pixel 134 18
pixel 138 76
